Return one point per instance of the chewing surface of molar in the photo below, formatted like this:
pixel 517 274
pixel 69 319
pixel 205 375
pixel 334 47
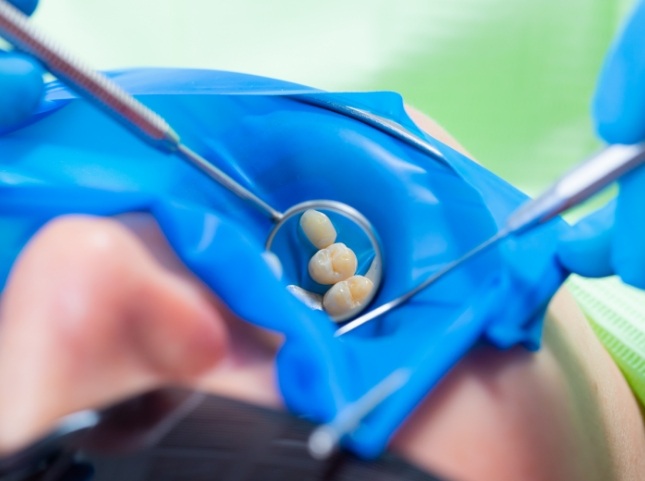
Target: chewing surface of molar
pixel 318 228
pixel 333 264
pixel 347 295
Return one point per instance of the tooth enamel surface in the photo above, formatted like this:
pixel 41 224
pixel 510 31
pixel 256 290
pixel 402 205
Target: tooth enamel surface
pixel 333 264
pixel 347 295
pixel 318 228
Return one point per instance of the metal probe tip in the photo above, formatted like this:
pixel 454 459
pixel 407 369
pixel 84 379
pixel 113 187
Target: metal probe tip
pixel 374 313
pixel 323 442
pixel 325 439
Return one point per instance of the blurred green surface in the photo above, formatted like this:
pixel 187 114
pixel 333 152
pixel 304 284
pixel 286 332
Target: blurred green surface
pixel 511 79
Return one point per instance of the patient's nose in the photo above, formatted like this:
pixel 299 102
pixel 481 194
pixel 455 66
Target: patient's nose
pixel 89 315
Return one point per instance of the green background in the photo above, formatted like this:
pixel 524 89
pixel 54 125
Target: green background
pixel 511 79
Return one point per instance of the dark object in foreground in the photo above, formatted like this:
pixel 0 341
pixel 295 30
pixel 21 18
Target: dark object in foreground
pixel 208 438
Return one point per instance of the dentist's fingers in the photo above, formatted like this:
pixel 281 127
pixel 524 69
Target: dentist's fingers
pixel 27 6
pixel 21 80
pixel 610 240
pixel 628 247
pixel 21 87
pixel 89 315
pixel 619 101
pixel 586 247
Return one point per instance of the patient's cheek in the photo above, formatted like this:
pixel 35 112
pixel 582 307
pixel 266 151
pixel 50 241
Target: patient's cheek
pixel 498 415
pixel 90 315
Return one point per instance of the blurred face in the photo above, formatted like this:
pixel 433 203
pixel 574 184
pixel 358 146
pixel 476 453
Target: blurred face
pixel 98 309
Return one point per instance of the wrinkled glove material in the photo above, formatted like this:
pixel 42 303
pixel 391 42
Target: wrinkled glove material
pixel 69 158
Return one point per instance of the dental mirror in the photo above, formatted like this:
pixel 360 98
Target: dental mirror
pixel 332 253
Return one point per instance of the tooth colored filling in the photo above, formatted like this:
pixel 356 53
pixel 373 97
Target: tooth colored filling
pixel 333 264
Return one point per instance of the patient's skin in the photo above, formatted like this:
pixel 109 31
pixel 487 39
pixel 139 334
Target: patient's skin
pixel 98 309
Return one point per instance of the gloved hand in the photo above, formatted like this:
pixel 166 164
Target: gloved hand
pixel 21 84
pixel 86 164
pixel 612 239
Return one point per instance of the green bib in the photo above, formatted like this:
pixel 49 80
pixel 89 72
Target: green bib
pixel 615 312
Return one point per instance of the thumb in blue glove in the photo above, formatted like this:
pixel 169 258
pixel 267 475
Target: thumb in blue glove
pixel 21 84
pixel 612 239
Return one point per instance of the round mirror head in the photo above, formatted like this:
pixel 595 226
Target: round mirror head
pixel 331 257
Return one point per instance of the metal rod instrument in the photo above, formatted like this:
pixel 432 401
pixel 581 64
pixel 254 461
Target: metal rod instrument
pixel 325 439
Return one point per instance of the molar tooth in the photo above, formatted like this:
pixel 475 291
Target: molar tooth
pixel 333 264
pixel 347 295
pixel 318 228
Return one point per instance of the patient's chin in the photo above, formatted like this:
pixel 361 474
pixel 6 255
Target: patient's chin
pixel 493 417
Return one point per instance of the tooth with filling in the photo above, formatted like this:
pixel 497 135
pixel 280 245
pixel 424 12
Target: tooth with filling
pixel 333 264
pixel 318 228
pixel 347 295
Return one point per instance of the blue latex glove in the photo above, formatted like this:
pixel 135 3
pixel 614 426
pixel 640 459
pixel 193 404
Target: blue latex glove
pixel 612 239
pixel 427 213
pixel 21 84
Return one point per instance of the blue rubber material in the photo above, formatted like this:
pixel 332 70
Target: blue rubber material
pixel 70 158
pixel 610 240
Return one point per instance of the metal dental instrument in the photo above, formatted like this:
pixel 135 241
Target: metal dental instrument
pixel 386 125
pixel 325 439
pixel 573 188
pixel 139 119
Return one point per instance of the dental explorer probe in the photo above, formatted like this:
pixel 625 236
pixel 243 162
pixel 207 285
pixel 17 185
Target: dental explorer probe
pixel 573 188
pixel 325 439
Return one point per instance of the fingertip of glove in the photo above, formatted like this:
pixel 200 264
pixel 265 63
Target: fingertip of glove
pixel 576 260
pixel 616 111
pixel 21 89
pixel 20 68
pixel 26 6
pixel 567 254
pixel 632 273
pixel 624 130
pixel 585 251
pixel 619 102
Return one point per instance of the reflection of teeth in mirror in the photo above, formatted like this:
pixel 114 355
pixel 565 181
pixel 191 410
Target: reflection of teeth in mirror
pixel 347 295
pixel 310 299
pixel 273 261
pixel 333 264
pixel 318 228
